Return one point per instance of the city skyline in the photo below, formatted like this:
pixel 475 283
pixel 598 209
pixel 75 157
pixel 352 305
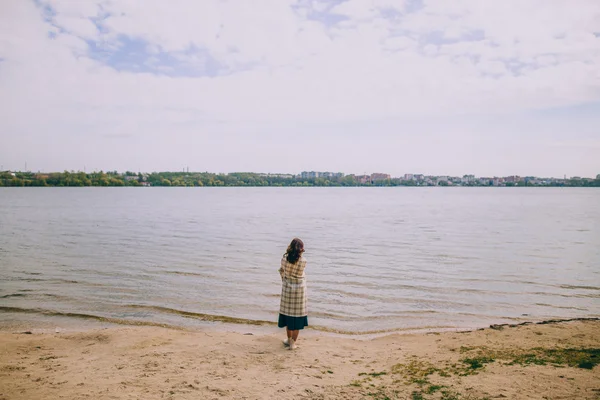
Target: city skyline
pixel 312 174
pixel 305 178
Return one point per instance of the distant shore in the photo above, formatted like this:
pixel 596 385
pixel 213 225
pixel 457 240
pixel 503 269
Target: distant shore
pixel 536 361
pixel 196 179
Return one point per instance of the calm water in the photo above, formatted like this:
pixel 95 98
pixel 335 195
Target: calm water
pixel 379 258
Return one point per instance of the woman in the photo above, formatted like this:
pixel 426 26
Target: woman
pixel 292 310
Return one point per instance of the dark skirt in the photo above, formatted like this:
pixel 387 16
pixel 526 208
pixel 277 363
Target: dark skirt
pixel 292 323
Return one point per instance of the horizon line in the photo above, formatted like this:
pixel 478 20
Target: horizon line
pixel 299 174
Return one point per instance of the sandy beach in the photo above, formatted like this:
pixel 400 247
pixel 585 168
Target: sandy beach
pixel 537 361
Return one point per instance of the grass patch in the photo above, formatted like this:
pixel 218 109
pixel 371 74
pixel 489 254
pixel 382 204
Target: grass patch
pixel 415 371
pixel 373 374
pixel 434 388
pixel 422 373
pixel 383 394
pixel 477 362
pixel 416 396
pixel 446 395
pixel 578 358
pixel 587 365
pixel 452 395
pixel 586 358
pixel 418 372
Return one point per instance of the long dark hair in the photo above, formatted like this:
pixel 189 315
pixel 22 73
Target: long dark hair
pixel 294 251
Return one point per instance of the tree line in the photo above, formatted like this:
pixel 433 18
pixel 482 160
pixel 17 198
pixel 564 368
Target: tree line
pixel 113 178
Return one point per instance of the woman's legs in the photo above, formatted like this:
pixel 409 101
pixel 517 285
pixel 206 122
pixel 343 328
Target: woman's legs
pixel 292 334
pixel 295 334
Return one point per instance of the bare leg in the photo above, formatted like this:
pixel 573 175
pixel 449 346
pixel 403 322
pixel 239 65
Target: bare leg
pixel 295 334
pixel 289 333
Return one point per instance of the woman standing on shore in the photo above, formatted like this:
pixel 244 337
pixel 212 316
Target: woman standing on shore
pixel 292 310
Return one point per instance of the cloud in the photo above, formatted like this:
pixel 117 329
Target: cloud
pixel 236 69
pixel 366 9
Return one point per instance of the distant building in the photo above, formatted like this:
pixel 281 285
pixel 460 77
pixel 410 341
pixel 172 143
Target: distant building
pixel 363 179
pixel 468 179
pixel 380 177
pixel 286 176
pixel 331 175
pixel 325 175
pixel 532 181
pixel 409 177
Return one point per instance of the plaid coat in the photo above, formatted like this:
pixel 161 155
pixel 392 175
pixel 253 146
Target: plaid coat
pixel 293 288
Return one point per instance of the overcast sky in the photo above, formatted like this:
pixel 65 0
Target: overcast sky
pixel 494 87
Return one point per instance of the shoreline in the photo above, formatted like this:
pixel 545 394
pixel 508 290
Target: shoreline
pixel 548 359
pixel 218 323
pixel 314 186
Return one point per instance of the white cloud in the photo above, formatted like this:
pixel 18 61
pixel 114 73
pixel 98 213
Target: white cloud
pixel 366 9
pixel 281 69
pixel 77 26
pixel 493 68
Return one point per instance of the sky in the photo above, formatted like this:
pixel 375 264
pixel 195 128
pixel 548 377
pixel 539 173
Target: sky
pixel 491 88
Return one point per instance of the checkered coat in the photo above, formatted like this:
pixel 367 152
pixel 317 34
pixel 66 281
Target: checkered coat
pixel 293 288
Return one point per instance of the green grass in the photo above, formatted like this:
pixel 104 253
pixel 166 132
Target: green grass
pixel 425 376
pixel 578 358
pixel 373 374
pixel 381 394
pixel 477 362
pixel 434 388
pixel 586 358
pixel 417 396
pixel 415 371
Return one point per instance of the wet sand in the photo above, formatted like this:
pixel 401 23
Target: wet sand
pixel 537 361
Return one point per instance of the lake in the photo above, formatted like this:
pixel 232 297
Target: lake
pixel 379 259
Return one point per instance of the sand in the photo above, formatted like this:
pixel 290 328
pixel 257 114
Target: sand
pixel 158 363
